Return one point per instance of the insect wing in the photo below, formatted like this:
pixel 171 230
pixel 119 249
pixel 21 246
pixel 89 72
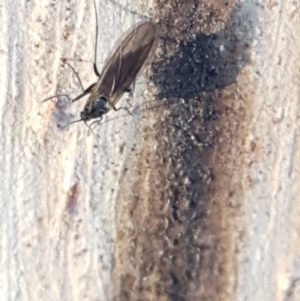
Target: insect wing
pixel 126 61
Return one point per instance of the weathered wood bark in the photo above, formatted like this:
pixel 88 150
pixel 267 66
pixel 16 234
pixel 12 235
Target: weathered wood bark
pixel 195 197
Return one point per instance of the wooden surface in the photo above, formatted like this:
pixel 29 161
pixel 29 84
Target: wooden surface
pixel 195 197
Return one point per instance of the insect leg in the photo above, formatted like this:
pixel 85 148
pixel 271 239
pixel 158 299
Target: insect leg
pixel 122 108
pixel 76 73
pixel 85 92
pixel 131 89
pixel 56 96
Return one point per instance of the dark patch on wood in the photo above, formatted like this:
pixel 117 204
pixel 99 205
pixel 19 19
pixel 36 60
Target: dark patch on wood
pixel 181 235
pixel 72 198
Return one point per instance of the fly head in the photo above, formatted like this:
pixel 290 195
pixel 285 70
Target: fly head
pixel 95 109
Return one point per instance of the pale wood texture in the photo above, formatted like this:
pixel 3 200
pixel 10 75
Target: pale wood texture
pixel 133 214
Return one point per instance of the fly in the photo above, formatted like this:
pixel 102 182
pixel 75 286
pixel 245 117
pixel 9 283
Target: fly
pixel 119 72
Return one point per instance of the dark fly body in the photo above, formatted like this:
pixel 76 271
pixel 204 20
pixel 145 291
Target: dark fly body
pixel 119 72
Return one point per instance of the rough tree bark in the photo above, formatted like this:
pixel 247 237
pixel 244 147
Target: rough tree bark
pixel 195 197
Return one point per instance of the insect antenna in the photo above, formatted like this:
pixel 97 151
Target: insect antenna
pixel 95 53
pixel 96 42
pixel 90 129
pixel 75 121
pixel 94 122
pixel 128 10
